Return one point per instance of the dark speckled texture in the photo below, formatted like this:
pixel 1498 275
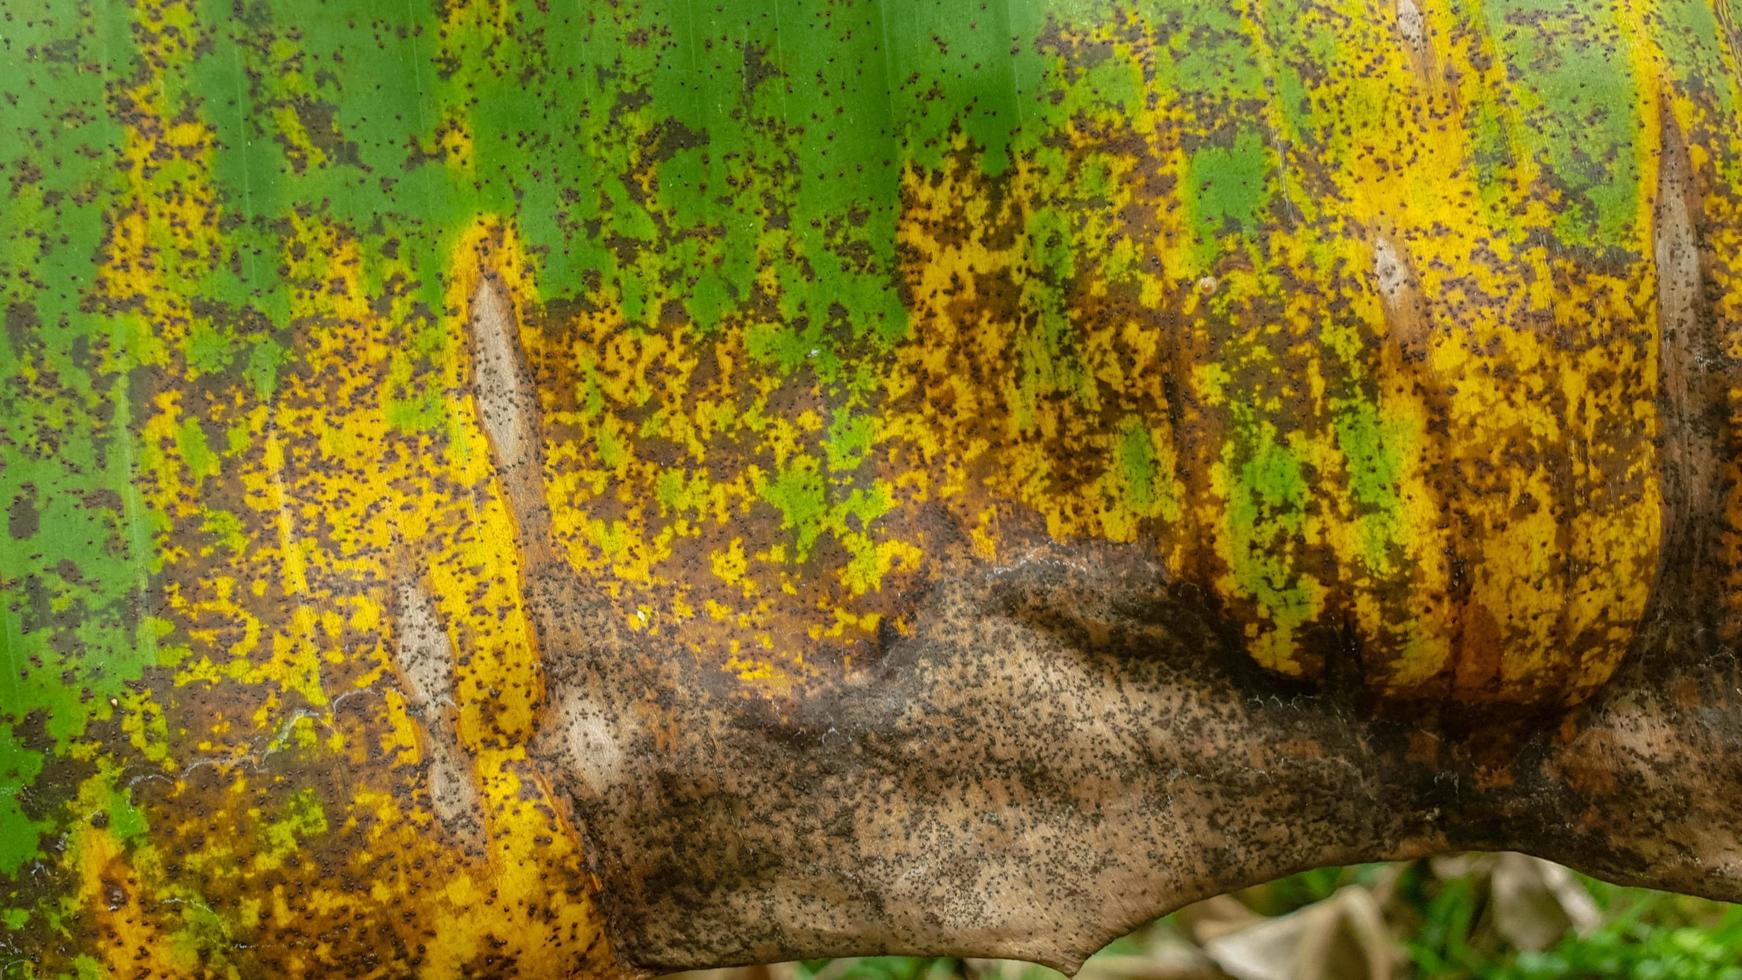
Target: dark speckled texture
pixel 544 488
pixel 1065 746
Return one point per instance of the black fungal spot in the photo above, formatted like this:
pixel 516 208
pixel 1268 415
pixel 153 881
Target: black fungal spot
pixel 22 518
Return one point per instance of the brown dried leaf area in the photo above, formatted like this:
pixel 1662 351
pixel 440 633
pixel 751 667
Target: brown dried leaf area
pixel 1490 908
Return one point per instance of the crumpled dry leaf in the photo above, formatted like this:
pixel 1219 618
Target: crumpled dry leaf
pixel 1166 955
pixel 1535 902
pixel 1449 866
pixel 1531 903
pixel 1215 917
pixel 1340 938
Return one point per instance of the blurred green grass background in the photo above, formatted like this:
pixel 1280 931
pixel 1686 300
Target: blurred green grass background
pixel 1504 916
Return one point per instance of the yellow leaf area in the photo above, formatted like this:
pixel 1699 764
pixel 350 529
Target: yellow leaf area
pixel 1399 413
pixel 712 498
pixel 1382 409
pixel 289 797
pixel 1435 385
pixel 1715 151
